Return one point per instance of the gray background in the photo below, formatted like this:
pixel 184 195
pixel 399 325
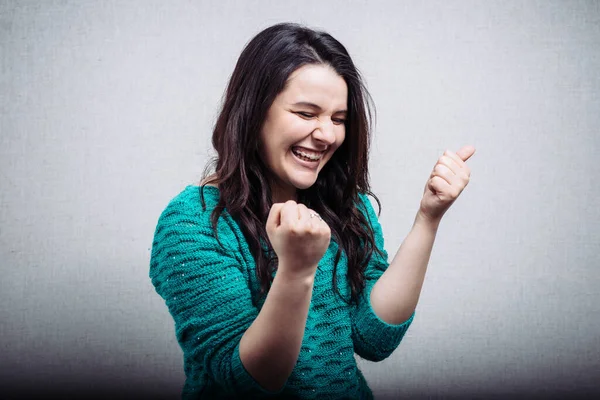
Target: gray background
pixel 106 113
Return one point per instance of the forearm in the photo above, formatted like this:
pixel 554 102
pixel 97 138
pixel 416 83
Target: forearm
pixel 395 295
pixel 270 347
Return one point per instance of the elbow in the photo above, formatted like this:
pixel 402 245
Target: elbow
pixel 269 372
pixel 374 356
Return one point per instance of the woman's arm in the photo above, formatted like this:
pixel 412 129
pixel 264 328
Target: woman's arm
pixel 247 352
pixel 395 295
pixel 270 347
pixel 374 339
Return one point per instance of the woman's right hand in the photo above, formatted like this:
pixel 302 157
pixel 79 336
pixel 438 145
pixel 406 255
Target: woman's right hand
pixel 299 237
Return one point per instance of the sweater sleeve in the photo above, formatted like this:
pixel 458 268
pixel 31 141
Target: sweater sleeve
pixel 206 293
pixel 373 338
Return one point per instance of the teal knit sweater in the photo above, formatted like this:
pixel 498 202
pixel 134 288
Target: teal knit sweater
pixel 212 292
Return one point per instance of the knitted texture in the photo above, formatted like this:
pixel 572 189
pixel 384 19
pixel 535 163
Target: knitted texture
pixel 212 292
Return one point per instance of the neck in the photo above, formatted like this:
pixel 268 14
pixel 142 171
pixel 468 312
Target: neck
pixel 281 194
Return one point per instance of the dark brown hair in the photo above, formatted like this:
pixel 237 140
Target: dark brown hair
pixel 260 75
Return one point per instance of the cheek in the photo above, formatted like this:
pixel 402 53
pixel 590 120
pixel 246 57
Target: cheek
pixel 288 131
pixel 269 150
pixel 296 129
pixel 271 140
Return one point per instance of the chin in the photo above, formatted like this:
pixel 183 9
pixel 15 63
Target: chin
pixel 304 182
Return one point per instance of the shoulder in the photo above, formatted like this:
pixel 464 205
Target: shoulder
pixel 184 230
pixel 365 206
pixel 372 218
pixel 192 201
pixel 188 215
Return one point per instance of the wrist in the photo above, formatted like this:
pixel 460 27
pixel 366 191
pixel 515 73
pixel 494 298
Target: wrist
pixel 304 276
pixel 427 221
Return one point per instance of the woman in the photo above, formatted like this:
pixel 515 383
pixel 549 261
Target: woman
pixel 274 268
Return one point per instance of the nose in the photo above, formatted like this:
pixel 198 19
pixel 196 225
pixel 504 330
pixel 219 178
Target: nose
pixel 325 132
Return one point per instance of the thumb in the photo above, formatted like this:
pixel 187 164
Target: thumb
pixel 466 152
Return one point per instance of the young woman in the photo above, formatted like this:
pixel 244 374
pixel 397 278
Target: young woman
pixel 274 268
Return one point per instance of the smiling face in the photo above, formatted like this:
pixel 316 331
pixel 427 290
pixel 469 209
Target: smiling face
pixel 303 128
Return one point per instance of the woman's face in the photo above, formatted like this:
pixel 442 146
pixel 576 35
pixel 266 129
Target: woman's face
pixel 303 128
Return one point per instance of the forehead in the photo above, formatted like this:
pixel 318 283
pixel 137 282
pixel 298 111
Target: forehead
pixel 318 84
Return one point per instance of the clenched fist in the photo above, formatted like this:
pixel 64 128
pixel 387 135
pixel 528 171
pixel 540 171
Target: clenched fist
pixel 448 179
pixel 299 237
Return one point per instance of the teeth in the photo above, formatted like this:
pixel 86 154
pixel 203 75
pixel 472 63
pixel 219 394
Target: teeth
pixel 309 156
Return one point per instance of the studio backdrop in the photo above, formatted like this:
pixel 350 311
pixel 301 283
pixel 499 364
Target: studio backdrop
pixel 107 110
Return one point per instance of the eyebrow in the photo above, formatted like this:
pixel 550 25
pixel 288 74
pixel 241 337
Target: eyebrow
pixel 316 107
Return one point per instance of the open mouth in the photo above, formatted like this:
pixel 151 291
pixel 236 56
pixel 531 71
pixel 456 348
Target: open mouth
pixel 306 155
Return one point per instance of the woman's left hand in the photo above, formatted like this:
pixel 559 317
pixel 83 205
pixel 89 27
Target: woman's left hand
pixel 447 181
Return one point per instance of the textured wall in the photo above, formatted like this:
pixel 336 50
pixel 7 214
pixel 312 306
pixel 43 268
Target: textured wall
pixel 106 110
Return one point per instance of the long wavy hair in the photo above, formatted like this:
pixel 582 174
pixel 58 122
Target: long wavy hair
pixel 260 75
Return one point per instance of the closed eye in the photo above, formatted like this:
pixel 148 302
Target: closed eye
pixel 304 114
pixel 307 115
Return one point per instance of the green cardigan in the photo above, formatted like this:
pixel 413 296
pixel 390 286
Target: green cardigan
pixel 212 292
